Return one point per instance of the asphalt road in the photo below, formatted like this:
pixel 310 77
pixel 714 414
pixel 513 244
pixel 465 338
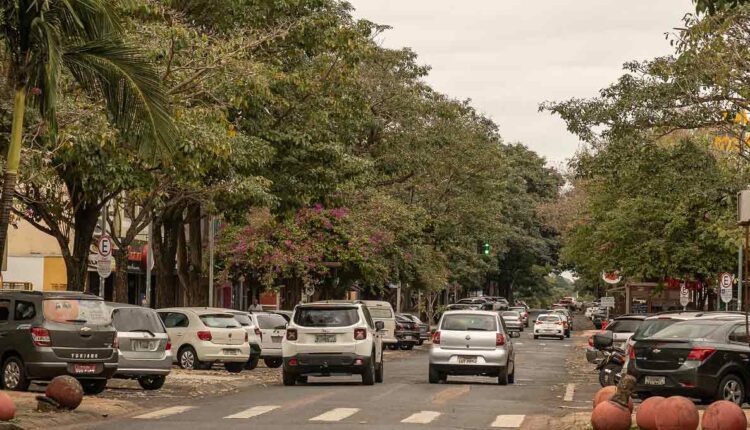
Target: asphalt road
pixel 405 401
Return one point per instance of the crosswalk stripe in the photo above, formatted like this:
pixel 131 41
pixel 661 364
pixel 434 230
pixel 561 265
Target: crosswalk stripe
pixel 570 390
pixel 337 414
pixel 252 412
pixel 508 421
pixel 166 412
pixel 424 417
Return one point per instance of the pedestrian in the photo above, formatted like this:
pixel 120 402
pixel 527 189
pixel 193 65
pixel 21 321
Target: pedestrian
pixel 255 306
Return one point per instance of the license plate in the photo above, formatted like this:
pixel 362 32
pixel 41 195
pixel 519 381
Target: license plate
pixel 276 339
pixel 84 368
pixel 231 351
pixel 409 337
pixel 143 345
pixel 467 360
pixel 655 380
pixel 325 338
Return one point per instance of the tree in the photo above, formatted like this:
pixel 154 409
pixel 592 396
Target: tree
pixel 715 6
pixel 81 36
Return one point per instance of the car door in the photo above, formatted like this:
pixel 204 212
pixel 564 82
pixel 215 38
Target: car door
pixel 508 340
pixel 177 324
pixel 740 352
pixel 10 335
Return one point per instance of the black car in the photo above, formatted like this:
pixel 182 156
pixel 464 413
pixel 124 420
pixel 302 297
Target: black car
pixel 407 333
pixel 424 328
pixel 48 334
pixel 703 359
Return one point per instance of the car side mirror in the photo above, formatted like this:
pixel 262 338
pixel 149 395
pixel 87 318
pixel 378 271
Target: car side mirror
pixel 379 325
pixel 603 340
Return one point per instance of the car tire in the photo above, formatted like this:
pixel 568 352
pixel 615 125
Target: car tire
pixel 512 374
pixel 273 363
pixel 380 372
pixel 188 359
pixel 151 383
pixel 731 388
pixel 289 379
pixel 536 337
pixel 368 376
pixel 392 346
pixel 93 387
pixel 252 363
pixel 407 346
pixel 606 380
pixel 434 376
pixel 14 375
pixel 502 377
pixel 421 342
pixel 567 333
pixel 234 367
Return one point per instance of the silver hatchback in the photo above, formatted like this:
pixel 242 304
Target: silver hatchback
pixel 472 343
pixel 145 350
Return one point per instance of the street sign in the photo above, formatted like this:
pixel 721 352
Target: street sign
pixel 726 281
pixel 105 246
pixel 608 302
pixel 104 266
pixel 684 296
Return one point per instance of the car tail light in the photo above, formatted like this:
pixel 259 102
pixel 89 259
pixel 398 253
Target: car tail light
pixel 591 341
pixel 40 336
pixel 169 345
pixel 259 334
pixel 436 338
pixel 499 339
pixel 399 326
pixel 631 352
pixel 292 362
pixel 204 335
pixel 700 354
pixel 116 342
pixel 291 334
pixel 537 322
pixel 360 334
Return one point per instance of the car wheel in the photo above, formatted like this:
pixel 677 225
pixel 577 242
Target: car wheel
pixel 567 333
pixel 607 379
pixel 14 375
pixel 273 363
pixel 512 374
pixel 152 382
pixel 93 387
pixel 252 363
pixel 368 377
pixel 536 337
pixel 502 377
pixel 289 379
pixel 407 346
pixel 380 372
pixel 234 367
pixel 421 342
pixel 188 359
pixel 392 346
pixel 732 389
pixel 434 376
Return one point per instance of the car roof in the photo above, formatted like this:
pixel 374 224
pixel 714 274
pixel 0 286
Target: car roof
pixel 549 315
pixel 370 303
pixel 115 305
pixel 471 312
pixel 631 317
pixel 331 304
pixel 687 315
pixel 197 311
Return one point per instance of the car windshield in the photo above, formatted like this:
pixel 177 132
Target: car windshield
pixel 244 320
pixel 80 311
pixel 271 322
pixel 468 322
pixel 380 312
pixel 686 330
pixel 220 321
pixel 649 327
pixel 548 319
pixel 326 317
pixel 137 319
pixel 511 314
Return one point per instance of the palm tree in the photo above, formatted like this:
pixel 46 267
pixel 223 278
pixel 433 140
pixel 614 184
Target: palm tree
pixel 43 38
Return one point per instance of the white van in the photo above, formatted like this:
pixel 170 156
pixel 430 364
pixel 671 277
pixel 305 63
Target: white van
pixel 383 311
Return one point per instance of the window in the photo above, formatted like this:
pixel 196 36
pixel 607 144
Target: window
pixel 219 321
pixel 24 311
pixel 624 326
pixel 137 320
pixel 739 334
pixel 687 330
pixel 244 320
pixel 326 317
pixel 368 317
pixel 548 319
pixel 271 321
pixel 468 322
pixel 380 312
pixel 76 311
pixel 4 311
pixel 651 327
pixel 174 320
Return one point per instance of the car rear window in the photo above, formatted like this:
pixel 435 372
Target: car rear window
pixel 548 319
pixel 326 317
pixel 219 321
pixel 509 314
pixel 76 311
pixel 468 322
pixel 380 312
pixel 271 321
pixel 244 320
pixel 625 326
pixel 650 327
pixel 137 319
pixel 686 330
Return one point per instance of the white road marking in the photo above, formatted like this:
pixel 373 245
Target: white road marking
pixel 569 392
pixel 424 417
pixel 508 421
pixel 518 343
pixel 252 412
pixel 337 414
pixel 166 412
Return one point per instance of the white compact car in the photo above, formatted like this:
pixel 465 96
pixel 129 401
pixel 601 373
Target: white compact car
pixel 472 343
pixel 272 329
pixel 549 325
pixel 325 339
pixel 203 336
pixel 383 311
pixel 254 335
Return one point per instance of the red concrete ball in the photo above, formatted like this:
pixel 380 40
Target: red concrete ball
pixel 724 415
pixel 609 415
pixel 606 393
pixel 65 390
pixel 7 407
pixel 677 413
pixel 645 417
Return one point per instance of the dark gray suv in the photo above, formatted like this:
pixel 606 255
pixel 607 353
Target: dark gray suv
pixel 47 334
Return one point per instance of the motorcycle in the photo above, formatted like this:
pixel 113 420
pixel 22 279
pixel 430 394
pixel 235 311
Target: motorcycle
pixel 611 367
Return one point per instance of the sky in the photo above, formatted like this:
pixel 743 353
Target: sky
pixel 508 56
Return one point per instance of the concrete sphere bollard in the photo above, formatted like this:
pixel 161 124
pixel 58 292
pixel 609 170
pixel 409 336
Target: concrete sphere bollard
pixel 677 413
pixel 645 417
pixel 606 393
pixel 608 415
pixel 66 391
pixel 724 415
pixel 7 407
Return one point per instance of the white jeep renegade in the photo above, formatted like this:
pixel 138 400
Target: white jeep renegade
pixel 325 339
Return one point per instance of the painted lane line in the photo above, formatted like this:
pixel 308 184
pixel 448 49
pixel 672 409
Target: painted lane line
pixel 252 412
pixel 424 417
pixel 570 391
pixel 166 412
pixel 337 414
pixel 508 421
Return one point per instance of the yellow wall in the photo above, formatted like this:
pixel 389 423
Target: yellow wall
pixel 55 274
pixel 27 240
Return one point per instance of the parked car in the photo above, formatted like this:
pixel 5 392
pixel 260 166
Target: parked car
pixel 254 335
pixel 48 334
pixel 549 325
pixel 204 336
pixel 513 322
pixel 407 333
pixel 272 332
pixel 383 311
pixel 590 311
pixel 567 319
pixel 145 352
pixel 704 359
pixel 623 328
pixel 286 314
pixel 471 343
pixel 524 314
pixel 333 338
pixel 424 328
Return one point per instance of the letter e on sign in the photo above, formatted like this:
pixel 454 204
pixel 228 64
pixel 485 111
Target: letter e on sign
pixel 105 246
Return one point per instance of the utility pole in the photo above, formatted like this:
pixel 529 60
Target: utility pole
pixel 149 257
pixel 740 279
pixel 102 280
pixel 210 260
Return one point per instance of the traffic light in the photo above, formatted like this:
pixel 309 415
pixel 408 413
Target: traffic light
pixel 486 249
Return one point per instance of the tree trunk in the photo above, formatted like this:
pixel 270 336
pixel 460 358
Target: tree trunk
pixel 166 233
pixel 121 276
pixel 85 221
pixel 196 291
pixel 12 164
